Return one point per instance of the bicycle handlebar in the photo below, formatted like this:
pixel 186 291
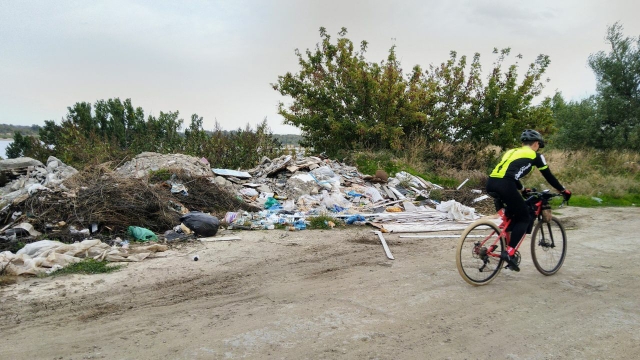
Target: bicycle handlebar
pixel 545 194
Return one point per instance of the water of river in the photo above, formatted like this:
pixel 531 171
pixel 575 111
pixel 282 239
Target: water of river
pixel 3 147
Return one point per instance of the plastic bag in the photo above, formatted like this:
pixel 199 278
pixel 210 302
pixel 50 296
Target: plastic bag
pixel 289 205
pixel 300 224
pixel 326 178
pixel 330 200
pixel 141 234
pixel 201 223
pixel 323 173
pixel 270 202
pixel 355 218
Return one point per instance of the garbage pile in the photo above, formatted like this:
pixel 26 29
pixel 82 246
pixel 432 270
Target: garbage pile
pixel 289 189
pixel 58 202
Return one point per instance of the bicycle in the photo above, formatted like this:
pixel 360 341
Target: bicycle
pixel 481 244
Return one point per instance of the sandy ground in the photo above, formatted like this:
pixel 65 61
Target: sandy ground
pixel 334 295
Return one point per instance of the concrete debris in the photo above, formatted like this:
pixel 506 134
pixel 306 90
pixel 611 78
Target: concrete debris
pixel 141 165
pixel 27 176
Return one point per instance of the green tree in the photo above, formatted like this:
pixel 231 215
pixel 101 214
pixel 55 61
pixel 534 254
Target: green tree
pixel 195 137
pixel 21 146
pixel 340 101
pixel 112 130
pixel 618 88
pixel 577 122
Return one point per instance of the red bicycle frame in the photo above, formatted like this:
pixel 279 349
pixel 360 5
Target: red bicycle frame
pixel 504 224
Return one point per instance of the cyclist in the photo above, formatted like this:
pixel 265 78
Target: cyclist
pixel 505 181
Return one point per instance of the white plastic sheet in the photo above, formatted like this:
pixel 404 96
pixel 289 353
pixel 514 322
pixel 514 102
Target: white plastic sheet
pixel 456 211
pixel 43 255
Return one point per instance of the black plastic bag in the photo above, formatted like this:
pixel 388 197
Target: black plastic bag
pixel 200 223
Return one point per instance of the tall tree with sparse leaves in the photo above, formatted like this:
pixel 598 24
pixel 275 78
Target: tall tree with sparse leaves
pixel 618 88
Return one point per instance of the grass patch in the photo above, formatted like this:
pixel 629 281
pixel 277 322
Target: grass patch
pixel 87 266
pixel 369 162
pixel 322 222
pixel 160 175
pixel 604 200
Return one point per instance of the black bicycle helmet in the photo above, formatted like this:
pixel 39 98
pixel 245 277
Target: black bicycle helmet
pixel 532 135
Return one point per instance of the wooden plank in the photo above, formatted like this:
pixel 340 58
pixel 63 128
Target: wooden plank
pixel 380 227
pixel 384 245
pixel 223 238
pixel 439 236
pixel 432 236
pixel 417 228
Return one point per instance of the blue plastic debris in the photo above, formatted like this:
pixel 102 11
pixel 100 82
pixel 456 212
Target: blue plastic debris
pixel 353 218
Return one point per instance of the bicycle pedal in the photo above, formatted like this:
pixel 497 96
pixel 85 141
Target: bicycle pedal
pixel 512 266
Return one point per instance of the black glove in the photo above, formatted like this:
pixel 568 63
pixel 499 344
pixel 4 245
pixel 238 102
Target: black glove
pixel 525 192
pixel 566 194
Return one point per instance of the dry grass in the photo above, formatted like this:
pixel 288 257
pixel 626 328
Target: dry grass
pixel 593 173
pixel 585 172
pixel 101 197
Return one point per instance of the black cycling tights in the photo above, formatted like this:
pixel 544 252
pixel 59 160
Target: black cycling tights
pixel 516 208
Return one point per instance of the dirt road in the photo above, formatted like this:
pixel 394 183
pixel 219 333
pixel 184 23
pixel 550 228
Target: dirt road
pixel 334 295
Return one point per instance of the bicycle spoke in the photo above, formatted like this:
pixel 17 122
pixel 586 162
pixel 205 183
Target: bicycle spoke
pixel 478 253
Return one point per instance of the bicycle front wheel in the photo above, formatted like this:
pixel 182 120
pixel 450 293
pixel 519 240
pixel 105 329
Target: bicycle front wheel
pixel 478 254
pixel 548 246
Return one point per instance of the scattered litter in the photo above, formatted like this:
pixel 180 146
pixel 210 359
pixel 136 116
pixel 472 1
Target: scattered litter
pixel 461 185
pixel 40 256
pixel 234 173
pixel 201 223
pixel 141 234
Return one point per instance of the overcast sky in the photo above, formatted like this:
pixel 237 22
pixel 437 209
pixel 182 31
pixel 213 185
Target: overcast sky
pixel 218 58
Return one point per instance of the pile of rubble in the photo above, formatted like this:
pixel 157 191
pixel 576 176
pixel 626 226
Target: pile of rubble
pixel 281 191
pixel 55 201
pixel 307 186
pixel 25 176
pixel 140 166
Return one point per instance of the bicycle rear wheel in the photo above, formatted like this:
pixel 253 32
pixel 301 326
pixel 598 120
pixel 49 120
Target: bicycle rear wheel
pixel 478 254
pixel 548 246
